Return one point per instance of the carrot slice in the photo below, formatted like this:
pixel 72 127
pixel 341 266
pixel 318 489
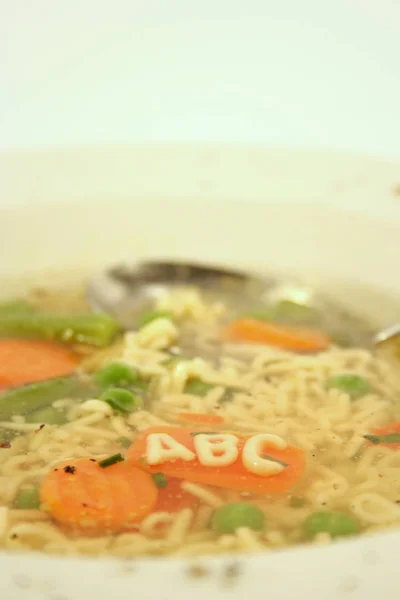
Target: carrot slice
pixel 201 418
pixel 234 476
pixel 173 498
pixel 27 361
pixel 252 331
pixel 80 494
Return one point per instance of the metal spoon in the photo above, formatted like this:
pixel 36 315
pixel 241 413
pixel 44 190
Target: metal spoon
pixel 388 342
pixel 125 291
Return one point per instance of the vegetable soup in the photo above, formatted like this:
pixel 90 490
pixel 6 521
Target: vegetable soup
pixel 199 431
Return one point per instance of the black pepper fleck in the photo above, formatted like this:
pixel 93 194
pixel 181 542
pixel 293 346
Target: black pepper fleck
pixel 40 427
pixel 92 459
pixel 69 469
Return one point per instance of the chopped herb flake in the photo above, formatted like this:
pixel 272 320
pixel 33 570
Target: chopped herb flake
pixel 228 395
pixel 197 387
pixel 111 460
pixel 160 480
pixel 280 462
pixel 27 498
pixel 7 435
pixel 124 441
pixel 386 438
pixel 297 502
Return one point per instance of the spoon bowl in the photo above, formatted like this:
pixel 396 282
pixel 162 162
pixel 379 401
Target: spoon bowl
pixel 125 291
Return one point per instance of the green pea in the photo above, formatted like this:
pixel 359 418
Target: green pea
pixel 151 315
pixel 230 517
pixel 27 498
pixel 337 524
pixel 116 374
pixel 122 400
pixel 353 385
pixel 48 415
pixel 198 387
pixel 160 480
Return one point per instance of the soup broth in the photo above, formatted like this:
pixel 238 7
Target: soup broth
pixel 200 431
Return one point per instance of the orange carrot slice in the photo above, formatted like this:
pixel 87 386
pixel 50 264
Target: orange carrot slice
pixel 27 361
pixel 80 494
pixel 201 418
pixel 292 338
pixel 234 476
pixel 173 498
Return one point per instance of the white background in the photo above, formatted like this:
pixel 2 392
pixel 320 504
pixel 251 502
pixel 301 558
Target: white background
pixel 310 73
